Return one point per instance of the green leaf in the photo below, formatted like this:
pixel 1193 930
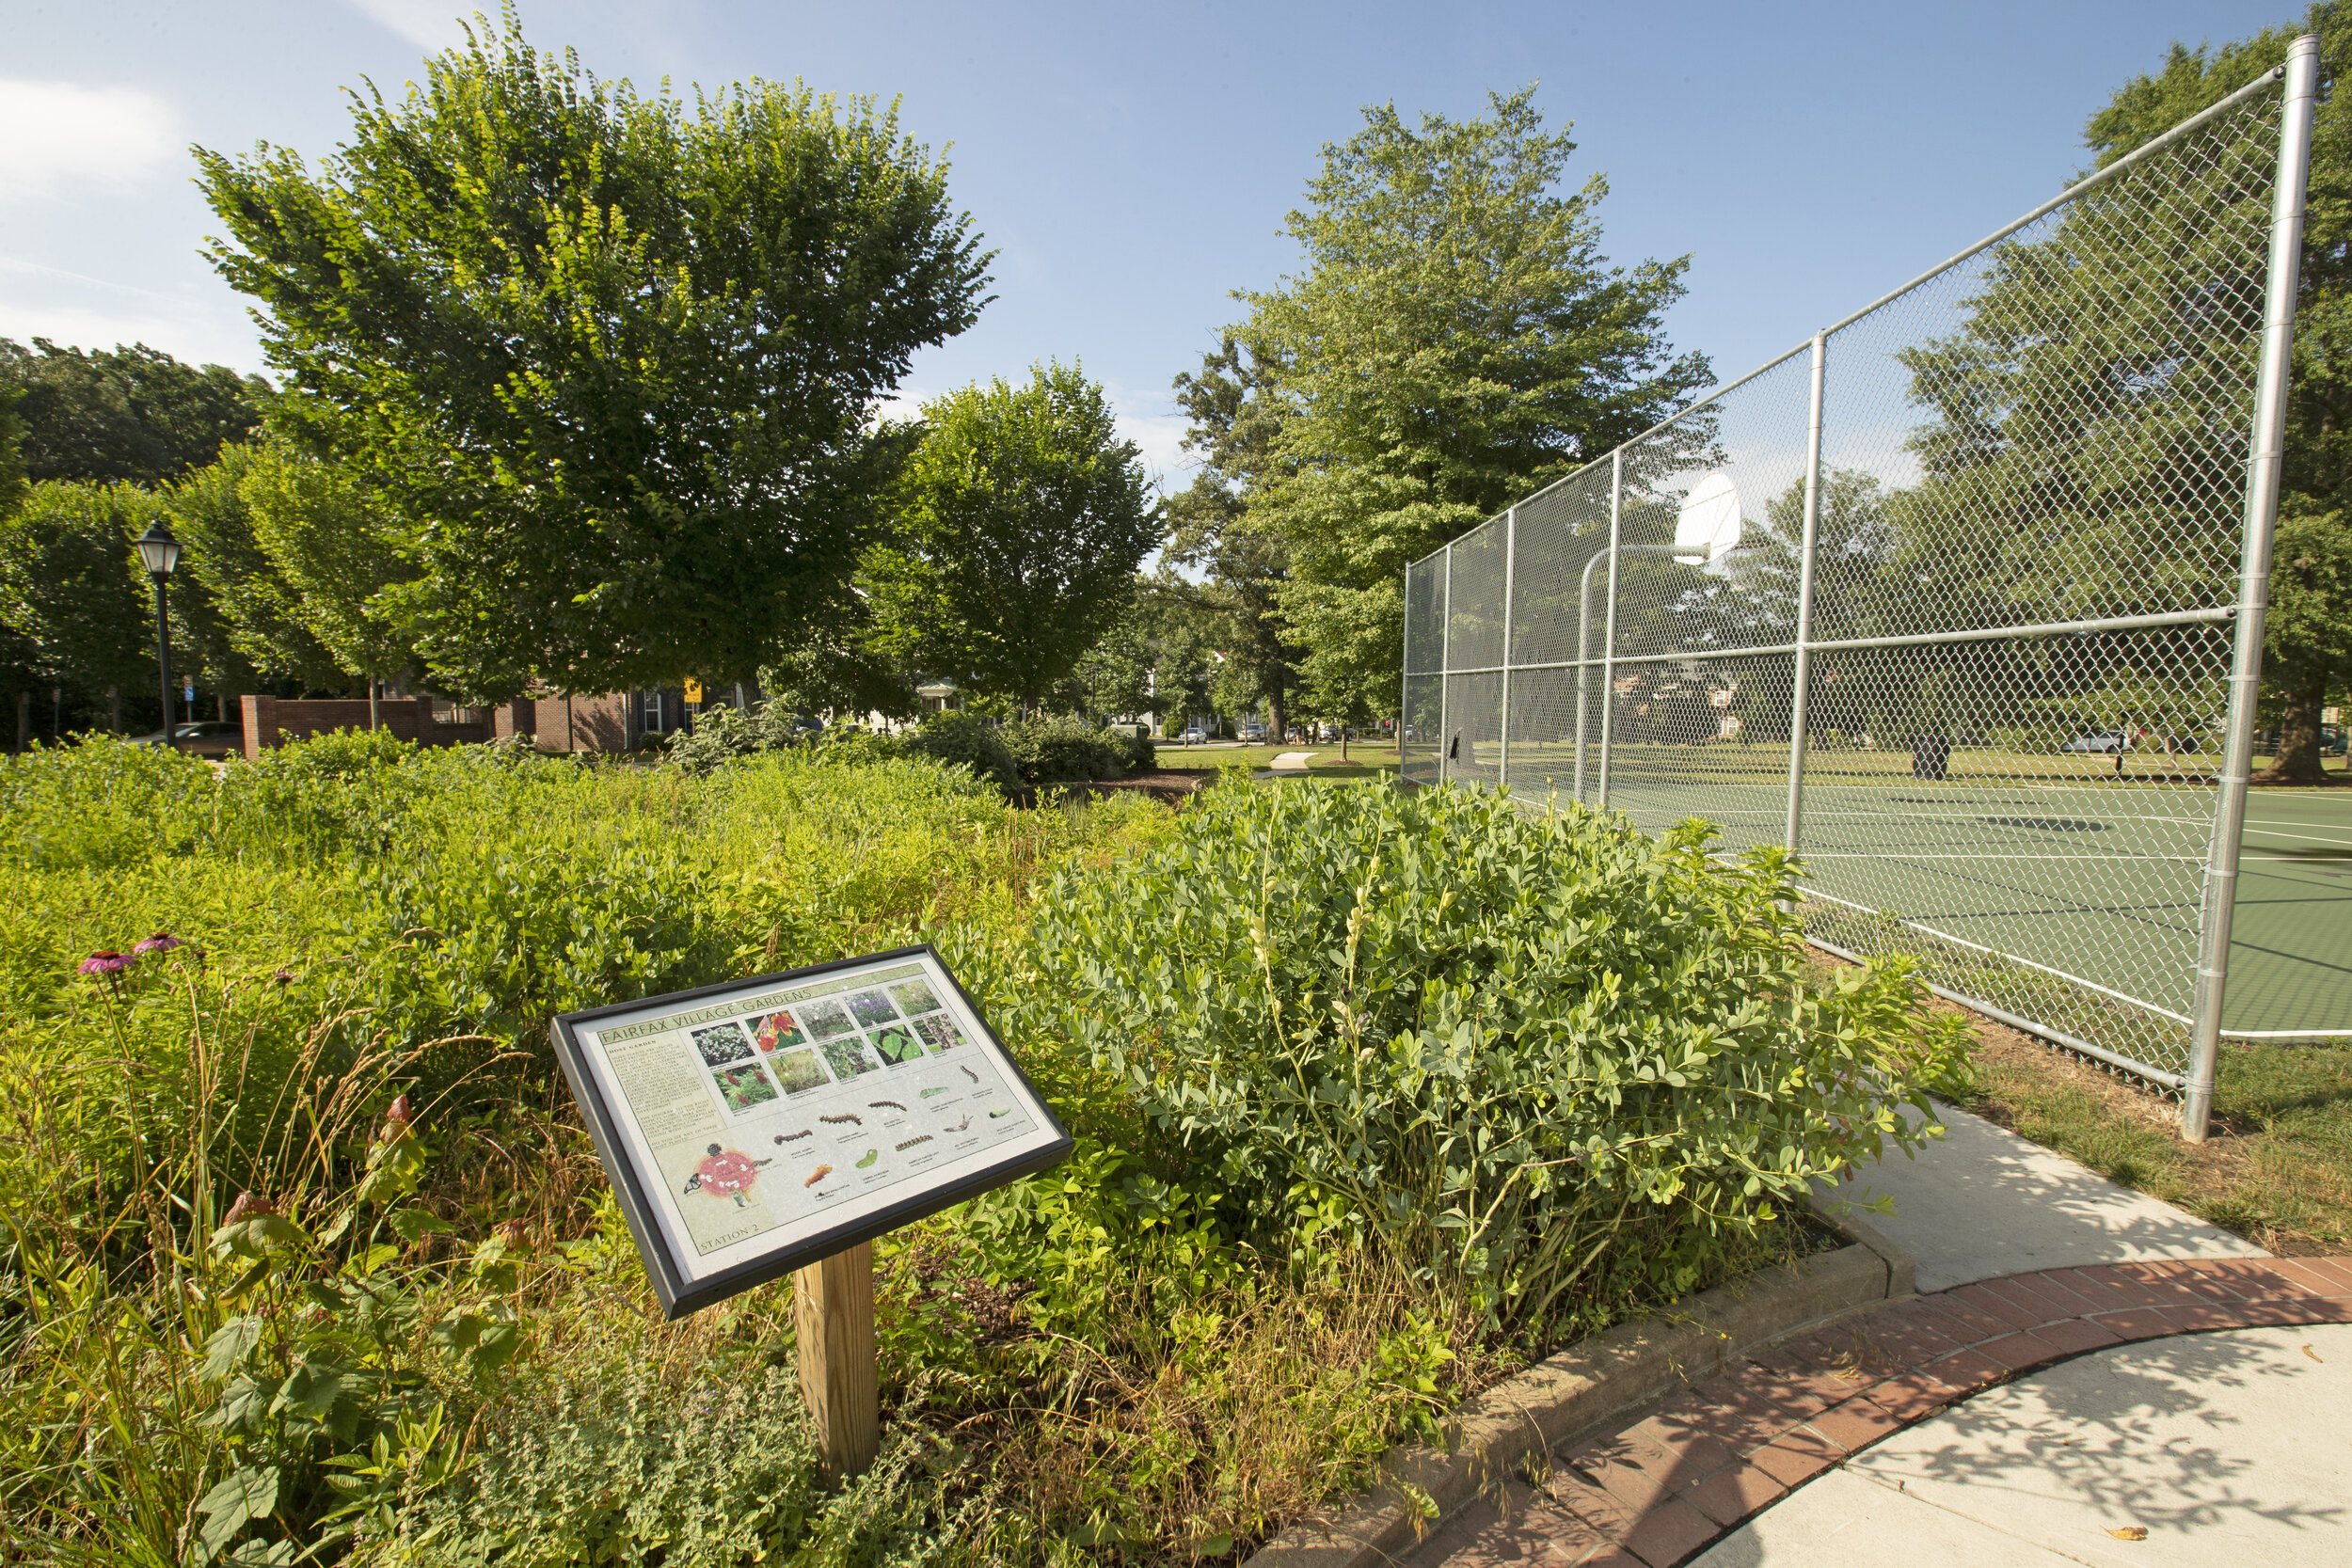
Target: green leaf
pixel 242 1496
pixel 228 1345
pixel 412 1222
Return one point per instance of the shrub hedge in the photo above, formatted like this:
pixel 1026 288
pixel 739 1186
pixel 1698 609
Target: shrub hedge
pixel 1371 1092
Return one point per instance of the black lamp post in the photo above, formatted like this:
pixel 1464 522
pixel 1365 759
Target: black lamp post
pixel 161 552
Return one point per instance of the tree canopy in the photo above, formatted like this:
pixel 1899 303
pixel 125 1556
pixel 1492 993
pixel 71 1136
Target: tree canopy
pixel 1023 516
pixel 1455 340
pixel 129 414
pixel 610 360
pixel 2086 400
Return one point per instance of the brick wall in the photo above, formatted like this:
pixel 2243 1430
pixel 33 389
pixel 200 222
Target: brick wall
pixel 271 722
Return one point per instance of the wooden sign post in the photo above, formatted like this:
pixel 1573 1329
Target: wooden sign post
pixel 776 1125
pixel 833 1314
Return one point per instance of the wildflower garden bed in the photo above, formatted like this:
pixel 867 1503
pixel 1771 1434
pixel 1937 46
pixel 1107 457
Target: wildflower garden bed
pixel 1378 1099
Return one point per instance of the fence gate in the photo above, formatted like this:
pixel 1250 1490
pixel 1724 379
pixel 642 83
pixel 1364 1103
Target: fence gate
pixel 1963 599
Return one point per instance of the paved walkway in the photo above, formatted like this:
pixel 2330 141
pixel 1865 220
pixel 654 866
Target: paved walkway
pixel 2043 1393
pixel 1981 1201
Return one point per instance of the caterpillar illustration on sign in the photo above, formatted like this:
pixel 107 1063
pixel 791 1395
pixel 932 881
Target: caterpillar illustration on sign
pixel 796 1137
pixel 918 1138
pixel 884 1105
pixel 871 1155
pixel 969 1073
pixel 846 1115
pixel 962 1125
pixel 1005 1112
pixel 817 1175
pixel 927 1093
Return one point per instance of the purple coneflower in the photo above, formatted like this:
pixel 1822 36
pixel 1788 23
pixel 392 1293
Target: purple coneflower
pixel 162 942
pixel 106 963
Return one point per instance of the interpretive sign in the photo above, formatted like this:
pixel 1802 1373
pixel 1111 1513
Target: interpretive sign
pixel 753 1128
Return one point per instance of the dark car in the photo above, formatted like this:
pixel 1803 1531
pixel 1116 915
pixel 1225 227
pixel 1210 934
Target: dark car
pixel 209 737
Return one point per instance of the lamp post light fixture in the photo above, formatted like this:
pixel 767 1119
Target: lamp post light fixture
pixel 160 551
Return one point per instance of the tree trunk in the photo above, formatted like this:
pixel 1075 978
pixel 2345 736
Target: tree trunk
pixel 373 686
pixel 2297 762
pixel 113 711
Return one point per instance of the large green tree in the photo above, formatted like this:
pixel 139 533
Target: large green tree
pixel 329 540
pixel 1023 516
pixel 613 360
pixel 70 591
pixel 1243 560
pixel 129 414
pixel 1455 339
pixel 2124 494
pixel 249 614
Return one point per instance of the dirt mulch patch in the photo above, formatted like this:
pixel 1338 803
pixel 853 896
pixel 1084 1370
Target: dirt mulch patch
pixel 1168 784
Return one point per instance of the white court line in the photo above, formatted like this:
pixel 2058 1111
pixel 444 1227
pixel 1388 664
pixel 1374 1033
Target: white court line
pixel 2085 860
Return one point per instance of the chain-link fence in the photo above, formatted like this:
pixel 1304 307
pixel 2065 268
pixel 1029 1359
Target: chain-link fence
pixel 1961 599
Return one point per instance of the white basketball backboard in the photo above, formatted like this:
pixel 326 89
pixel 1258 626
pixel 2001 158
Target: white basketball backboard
pixel 1708 525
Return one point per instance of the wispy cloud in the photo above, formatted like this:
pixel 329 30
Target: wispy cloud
pixel 61 139
pixel 433 24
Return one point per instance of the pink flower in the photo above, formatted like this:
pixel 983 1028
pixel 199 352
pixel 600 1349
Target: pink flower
pixel 162 942
pixel 399 1115
pixel 106 963
pixel 249 1205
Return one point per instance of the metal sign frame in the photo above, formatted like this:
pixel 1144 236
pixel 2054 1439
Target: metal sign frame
pixel 651 1199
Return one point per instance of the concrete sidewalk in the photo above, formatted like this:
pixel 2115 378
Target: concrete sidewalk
pixel 2223 1447
pixel 1980 1202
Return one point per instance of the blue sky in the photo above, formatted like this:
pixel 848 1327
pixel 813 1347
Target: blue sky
pixel 1134 164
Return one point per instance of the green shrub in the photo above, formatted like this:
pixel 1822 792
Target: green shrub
pixel 1548 1060
pixel 854 745
pixel 1066 749
pixel 1132 748
pixel 622 1466
pixel 970 741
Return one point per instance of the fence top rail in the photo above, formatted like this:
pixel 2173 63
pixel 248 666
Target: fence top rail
pixel 2259 85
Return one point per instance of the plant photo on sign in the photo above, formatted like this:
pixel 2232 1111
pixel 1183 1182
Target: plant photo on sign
pixel 897 1044
pixel 745 1087
pixel 722 1043
pixel 797 1071
pixel 872 1007
pixel 775 1032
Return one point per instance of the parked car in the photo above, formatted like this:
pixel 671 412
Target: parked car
pixel 2103 744
pixel 1253 730
pixel 209 737
pixel 1195 735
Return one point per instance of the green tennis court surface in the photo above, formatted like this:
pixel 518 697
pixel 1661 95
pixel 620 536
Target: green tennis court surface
pixel 2048 860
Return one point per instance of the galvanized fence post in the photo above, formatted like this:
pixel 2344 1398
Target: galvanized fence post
pixel 2262 515
pixel 1510 561
pixel 1609 629
pixel 1802 679
pixel 1403 684
pixel 1445 675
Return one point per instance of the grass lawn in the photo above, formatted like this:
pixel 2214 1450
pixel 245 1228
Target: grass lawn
pixel 2277 1169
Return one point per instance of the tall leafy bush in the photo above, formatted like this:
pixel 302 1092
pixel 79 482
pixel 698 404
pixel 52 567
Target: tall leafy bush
pixel 1544 1058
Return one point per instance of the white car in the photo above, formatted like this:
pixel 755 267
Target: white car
pixel 2101 744
pixel 1194 735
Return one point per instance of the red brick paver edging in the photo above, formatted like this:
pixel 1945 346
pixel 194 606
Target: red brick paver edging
pixel 1668 1482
